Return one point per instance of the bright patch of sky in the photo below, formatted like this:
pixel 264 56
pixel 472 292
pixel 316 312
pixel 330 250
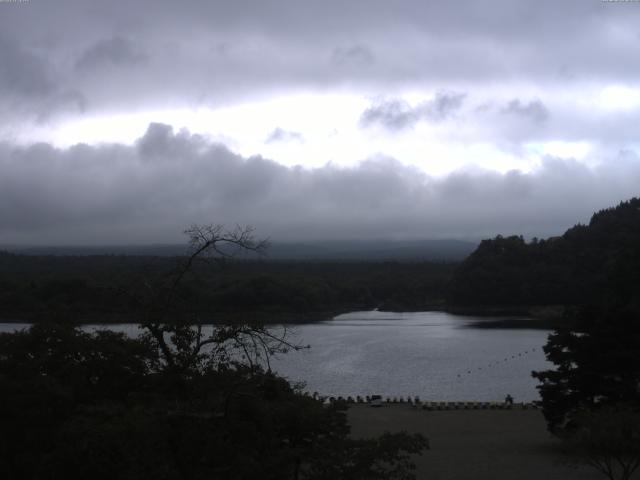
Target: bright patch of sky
pixel 317 129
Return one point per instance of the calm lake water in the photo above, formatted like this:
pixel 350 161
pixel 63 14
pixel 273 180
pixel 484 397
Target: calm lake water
pixel 434 355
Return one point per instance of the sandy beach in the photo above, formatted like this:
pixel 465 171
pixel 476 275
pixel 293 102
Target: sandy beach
pixel 475 444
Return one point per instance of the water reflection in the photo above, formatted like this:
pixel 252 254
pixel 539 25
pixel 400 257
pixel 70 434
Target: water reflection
pixel 434 355
pixel 431 354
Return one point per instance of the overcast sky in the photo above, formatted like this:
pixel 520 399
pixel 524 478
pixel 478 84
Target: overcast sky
pixel 124 122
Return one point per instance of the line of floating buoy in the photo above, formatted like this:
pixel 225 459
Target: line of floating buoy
pixel 498 362
pixel 376 400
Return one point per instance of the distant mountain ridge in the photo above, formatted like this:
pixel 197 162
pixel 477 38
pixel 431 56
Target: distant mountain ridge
pixel 370 250
pixel 598 261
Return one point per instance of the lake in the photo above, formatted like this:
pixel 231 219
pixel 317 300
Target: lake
pixel 434 355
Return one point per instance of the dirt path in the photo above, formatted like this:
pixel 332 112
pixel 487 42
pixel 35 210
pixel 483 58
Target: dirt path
pixel 475 444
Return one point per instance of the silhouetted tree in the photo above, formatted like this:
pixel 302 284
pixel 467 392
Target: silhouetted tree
pixel 596 364
pixel 180 401
pixel 608 439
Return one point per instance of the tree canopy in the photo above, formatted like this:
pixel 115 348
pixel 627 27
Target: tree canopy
pixel 179 401
pixel 588 262
pixel 596 363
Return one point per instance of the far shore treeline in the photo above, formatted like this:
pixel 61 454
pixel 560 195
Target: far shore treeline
pixel 95 289
pixel 506 274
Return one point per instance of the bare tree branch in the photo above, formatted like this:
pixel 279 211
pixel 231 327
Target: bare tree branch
pixel 182 342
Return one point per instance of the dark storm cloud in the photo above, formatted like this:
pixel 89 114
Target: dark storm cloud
pixel 443 105
pixel 30 86
pixel 150 191
pixel 116 51
pixel 68 57
pixel 397 114
pixel 535 110
pixel 375 45
pixel 281 135
pixel 392 114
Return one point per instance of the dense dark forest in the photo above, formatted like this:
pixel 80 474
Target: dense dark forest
pixel 98 287
pixel 588 263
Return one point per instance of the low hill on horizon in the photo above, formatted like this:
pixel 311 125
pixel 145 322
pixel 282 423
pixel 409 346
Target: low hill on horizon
pixel 365 250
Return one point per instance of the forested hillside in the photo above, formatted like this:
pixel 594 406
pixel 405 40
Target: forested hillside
pixel 588 263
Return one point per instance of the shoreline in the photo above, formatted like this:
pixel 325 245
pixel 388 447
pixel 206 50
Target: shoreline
pixel 543 318
pixel 265 318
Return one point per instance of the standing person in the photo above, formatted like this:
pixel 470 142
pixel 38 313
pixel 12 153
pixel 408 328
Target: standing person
pixel 508 400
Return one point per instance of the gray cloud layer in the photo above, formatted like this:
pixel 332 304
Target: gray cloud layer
pixel 21 72
pixel 116 51
pixel 30 85
pixel 218 50
pixel 90 57
pixel 150 191
pixel 356 55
